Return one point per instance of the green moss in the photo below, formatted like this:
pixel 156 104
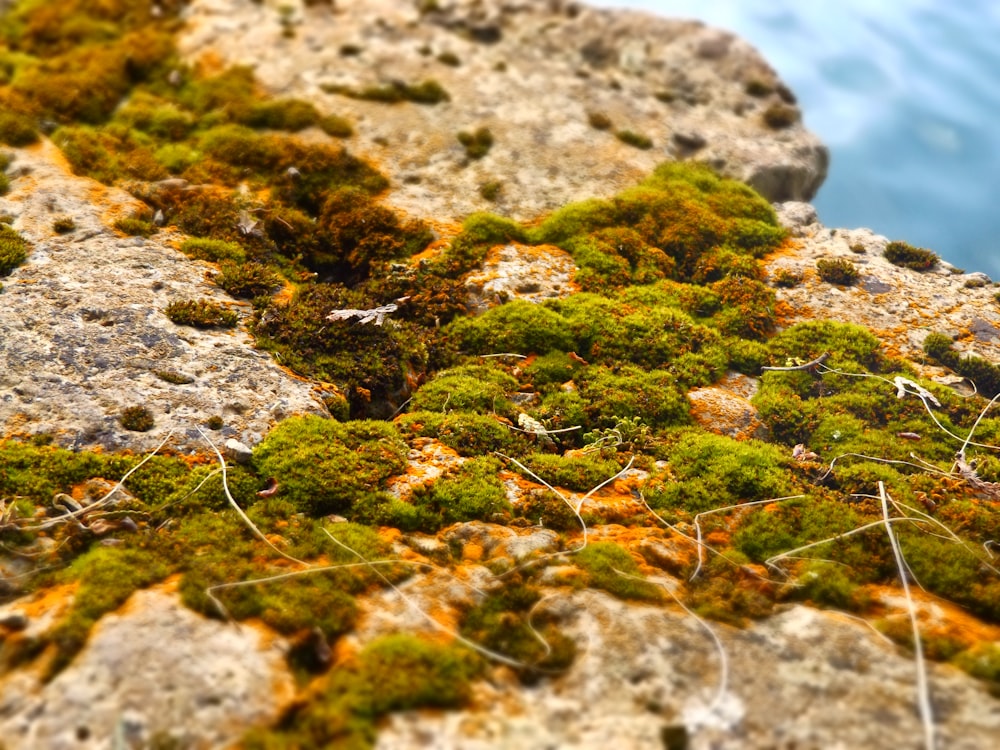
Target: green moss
pixel 829 585
pixel 710 471
pixel 37 472
pixel 504 624
pixel 13 249
pixel 982 661
pixel 654 396
pixel 394 673
pixel 786 278
pixel 468 388
pixel 491 190
pixel 837 271
pixel 324 466
pixel 636 140
pixel 480 232
pixel 605 562
pixel 908 256
pixel 578 473
pixel 201 313
pixel 135 226
pixel 477 143
pixel 467 433
pixel 983 373
pixel 247 280
pixel 336 126
pixel 373 366
pixel 17 129
pixel 204 248
pixel 136 419
pixel 425 92
pixel 356 233
pixel 473 492
pixel 63 225
pixel 282 114
pixel 518 327
pixel 599 121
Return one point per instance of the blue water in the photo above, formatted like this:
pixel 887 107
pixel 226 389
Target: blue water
pixel 906 93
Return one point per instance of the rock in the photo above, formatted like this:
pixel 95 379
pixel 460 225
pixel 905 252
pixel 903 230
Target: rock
pixel 796 216
pixel 238 452
pixel 158 671
pixel 83 335
pixel 725 409
pixel 642 672
pixel 530 272
pixel 650 75
pixel 901 306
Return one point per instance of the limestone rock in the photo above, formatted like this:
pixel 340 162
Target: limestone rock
pixel 83 334
pixel 725 408
pixel 151 670
pixel 535 75
pixel 530 272
pixel 900 305
pixel 643 671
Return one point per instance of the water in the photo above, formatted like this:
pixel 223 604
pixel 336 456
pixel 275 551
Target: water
pixel 906 93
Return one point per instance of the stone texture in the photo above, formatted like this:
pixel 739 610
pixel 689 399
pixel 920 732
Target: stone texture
pixel 530 272
pixel 531 72
pixel 151 670
pixel 804 678
pixel 83 332
pixel 900 305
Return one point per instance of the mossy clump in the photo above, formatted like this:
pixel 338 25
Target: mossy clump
pixel 135 226
pixel 425 92
pixel 491 190
pixel 393 673
pixel 13 249
pixel 17 129
pixel 684 209
pixel 205 248
pixel 467 388
pixel 63 225
pixel 247 280
pixel 579 473
pixel 480 232
pixel 373 366
pixel 477 143
pixel 710 471
pixel 473 492
pixel 201 313
pixel 628 391
pixel 137 419
pixel 786 278
pixel 599 121
pixel 613 569
pixel 781 115
pixel 324 466
pixel 837 271
pixel 907 256
pixel 503 623
pixel 518 327
pixel 467 433
pixel 983 373
pixel 636 140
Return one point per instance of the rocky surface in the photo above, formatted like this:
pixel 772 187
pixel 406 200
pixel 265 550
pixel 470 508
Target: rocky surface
pixel 900 305
pixel 83 332
pixel 153 672
pixel 802 679
pixel 82 336
pixel 531 73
